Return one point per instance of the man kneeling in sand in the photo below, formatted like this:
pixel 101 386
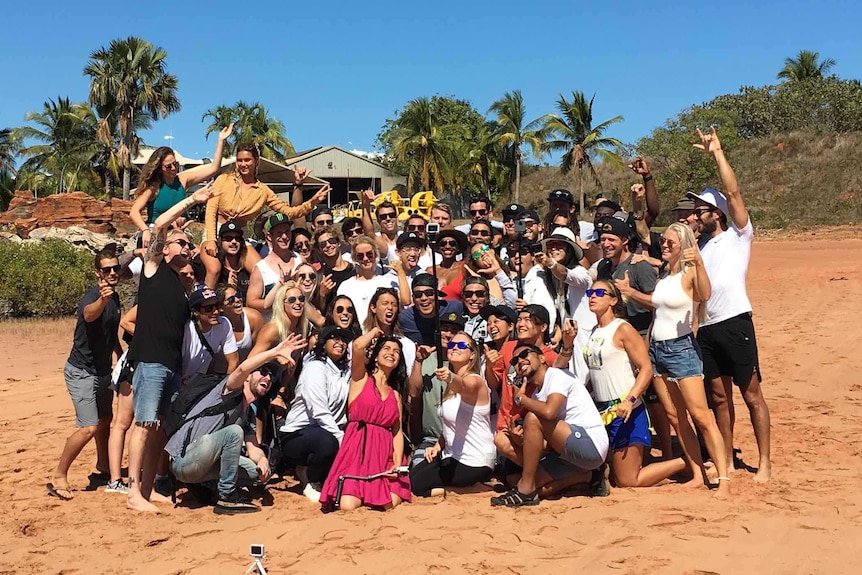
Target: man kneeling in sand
pixel 208 447
pixel 563 435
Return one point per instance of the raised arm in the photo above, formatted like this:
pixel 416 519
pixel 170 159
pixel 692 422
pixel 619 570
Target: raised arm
pixel 730 187
pixel 205 172
pixel 640 167
pixel 283 350
pixel 357 360
pixel 701 288
pixel 367 225
pixel 142 198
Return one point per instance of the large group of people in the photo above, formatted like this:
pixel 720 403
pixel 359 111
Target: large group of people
pixel 376 364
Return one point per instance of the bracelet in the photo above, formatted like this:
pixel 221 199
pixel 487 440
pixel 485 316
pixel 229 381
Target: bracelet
pixel 567 349
pixel 647 178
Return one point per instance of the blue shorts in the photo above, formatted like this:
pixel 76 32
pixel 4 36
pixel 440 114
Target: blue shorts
pixel 635 431
pixel 154 387
pixel 676 358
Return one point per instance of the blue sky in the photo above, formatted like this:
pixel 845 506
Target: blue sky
pixel 333 72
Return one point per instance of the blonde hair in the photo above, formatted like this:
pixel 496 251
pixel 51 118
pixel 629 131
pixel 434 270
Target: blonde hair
pixel 686 241
pixel 279 316
pixel 365 240
pixel 473 366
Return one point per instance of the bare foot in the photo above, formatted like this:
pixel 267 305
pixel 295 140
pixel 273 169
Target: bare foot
pixel 764 473
pixel 156 497
pixel 60 489
pixel 723 491
pixel 695 482
pixel 138 503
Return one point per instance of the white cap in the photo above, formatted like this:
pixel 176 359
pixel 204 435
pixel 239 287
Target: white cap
pixel 712 197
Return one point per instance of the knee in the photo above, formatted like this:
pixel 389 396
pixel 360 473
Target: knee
pixel 625 480
pixel 753 397
pixel 531 421
pixel 233 434
pixel 703 418
pixel 90 431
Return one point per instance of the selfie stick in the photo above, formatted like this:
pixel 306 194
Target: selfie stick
pixel 520 284
pixel 432 241
pixel 341 478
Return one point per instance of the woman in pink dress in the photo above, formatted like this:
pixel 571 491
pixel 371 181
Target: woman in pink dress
pixel 373 442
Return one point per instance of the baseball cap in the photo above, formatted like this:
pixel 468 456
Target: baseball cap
pixel 333 330
pixel 276 219
pixel 453 318
pixel 320 209
pixel 561 196
pixel 471 280
pixel 408 237
pixel 503 312
pixel 231 226
pixel 684 204
pixel 512 211
pixel 712 197
pixel 426 280
pixel 531 215
pixel 538 312
pixel 200 296
pixel 609 204
pixel 613 226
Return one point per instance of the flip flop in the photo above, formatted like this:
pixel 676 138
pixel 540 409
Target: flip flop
pixel 54 492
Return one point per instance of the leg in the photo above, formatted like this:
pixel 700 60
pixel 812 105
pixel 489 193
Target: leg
pixel 103 431
pixel 82 388
pixel 150 381
pixel 104 405
pixel 661 424
pixel 137 446
pixel 628 472
pixel 121 423
pixel 760 421
pixel 349 503
pixel 507 449
pixel 74 444
pixel 694 398
pixel 425 476
pixel 685 434
pixel 313 447
pixel 722 400
pixel 534 441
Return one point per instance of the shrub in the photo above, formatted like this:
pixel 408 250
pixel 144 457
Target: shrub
pixel 43 278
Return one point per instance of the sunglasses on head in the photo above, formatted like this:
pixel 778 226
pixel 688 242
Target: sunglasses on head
pixel 417 293
pixel 523 355
pixel 331 242
pixel 458 344
pixel 478 253
pixel 232 299
pixel 107 269
pixel 386 216
pixel 598 292
pixel 341 309
pixel 294 299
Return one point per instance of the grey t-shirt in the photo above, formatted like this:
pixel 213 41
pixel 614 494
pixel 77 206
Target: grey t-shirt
pixel 432 396
pixel 208 424
pixel 642 277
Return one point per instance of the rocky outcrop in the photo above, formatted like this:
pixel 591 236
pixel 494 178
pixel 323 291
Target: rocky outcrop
pixel 26 213
pixel 80 237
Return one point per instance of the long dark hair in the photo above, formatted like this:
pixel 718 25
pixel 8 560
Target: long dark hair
pixel 397 380
pixel 553 284
pixel 318 353
pixel 151 175
pixel 243 251
pixel 371 318
pixel 330 309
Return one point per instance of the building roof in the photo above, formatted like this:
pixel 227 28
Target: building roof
pixel 306 154
pixel 145 153
pixel 275 175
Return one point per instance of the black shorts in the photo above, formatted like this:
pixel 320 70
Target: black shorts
pixel 730 349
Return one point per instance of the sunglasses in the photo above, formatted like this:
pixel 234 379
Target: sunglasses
pixel 231 238
pixel 362 256
pixel 477 294
pixel 416 227
pixel 478 212
pixel 523 355
pixel 556 245
pixel 341 309
pixel 448 244
pixel 458 344
pixel 175 166
pixel 423 293
pixel 701 211
pixel 323 222
pixel 480 233
pixel 598 292
pixel 232 299
pixel 107 269
pixel 284 231
pixel 181 243
pixel 353 232
pixel 294 299
pixel 478 253
pixel 303 277
pixel 386 216
pixel 329 242
pixel 667 242
pixel 266 371
pixel 210 308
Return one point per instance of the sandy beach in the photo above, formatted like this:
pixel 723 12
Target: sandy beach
pixel 805 291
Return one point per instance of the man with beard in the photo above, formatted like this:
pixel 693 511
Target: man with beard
pixel 277 267
pixel 156 349
pixel 88 370
pixel 727 337
pixel 417 321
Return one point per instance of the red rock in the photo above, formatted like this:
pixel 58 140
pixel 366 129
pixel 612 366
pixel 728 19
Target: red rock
pixel 72 209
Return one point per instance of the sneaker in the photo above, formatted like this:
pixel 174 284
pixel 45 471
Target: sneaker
pixel 234 504
pixel 116 486
pixel 312 492
pixel 599 484
pixel 162 485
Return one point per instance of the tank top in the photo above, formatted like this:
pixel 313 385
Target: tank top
pixel 167 196
pixel 467 432
pixel 674 309
pixel 270 278
pixel 453 288
pixel 243 346
pixel 610 370
pixel 163 310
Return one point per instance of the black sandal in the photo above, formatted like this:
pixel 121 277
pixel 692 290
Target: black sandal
pixel 514 498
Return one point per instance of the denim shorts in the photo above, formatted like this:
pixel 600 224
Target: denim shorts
pixel 676 358
pixel 91 395
pixel 155 386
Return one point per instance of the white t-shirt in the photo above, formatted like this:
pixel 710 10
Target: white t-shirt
pixel 578 409
pixel 466 227
pixel 361 291
pixel 725 258
pixel 196 358
pixel 588 231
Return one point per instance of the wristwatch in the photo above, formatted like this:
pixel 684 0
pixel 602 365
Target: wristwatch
pixel 518 400
pixel 632 399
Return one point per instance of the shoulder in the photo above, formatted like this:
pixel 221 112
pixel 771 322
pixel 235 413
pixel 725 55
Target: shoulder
pixel 746 233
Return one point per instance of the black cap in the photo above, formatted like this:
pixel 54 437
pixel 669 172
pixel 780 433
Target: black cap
pixel 614 227
pixel 531 214
pixel 409 237
pixel 501 311
pixel 425 280
pixel 277 219
pixel 453 318
pixel 470 280
pixel 333 330
pixel 538 312
pixel 609 204
pixel 320 209
pixel 562 196
pixel 199 296
pixel 231 226
pixel 512 211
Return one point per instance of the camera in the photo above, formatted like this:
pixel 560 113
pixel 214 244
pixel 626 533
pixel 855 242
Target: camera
pixel 520 227
pixel 431 231
pixel 256 550
pixel 536 249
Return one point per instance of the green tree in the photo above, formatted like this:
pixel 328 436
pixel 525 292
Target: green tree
pixel 66 136
pixel 512 132
pixel 805 66
pixel 130 78
pixel 572 132
pixel 252 123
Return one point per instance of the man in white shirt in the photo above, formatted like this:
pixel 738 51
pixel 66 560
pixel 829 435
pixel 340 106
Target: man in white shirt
pixel 207 335
pixel 727 337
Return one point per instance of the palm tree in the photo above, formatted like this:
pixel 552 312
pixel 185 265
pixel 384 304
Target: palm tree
pixel 805 66
pixel 421 142
pixel 127 79
pixel 67 135
pixel 512 133
pixel 9 148
pixel 252 123
pixel 107 159
pixel 573 133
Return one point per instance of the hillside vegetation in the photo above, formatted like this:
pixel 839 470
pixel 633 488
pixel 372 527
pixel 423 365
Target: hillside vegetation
pixel 795 180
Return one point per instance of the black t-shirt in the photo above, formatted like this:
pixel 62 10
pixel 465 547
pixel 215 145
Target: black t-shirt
pixel 338 277
pixel 163 310
pixel 94 342
pixel 242 279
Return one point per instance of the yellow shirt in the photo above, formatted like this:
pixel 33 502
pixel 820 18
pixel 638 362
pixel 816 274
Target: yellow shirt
pixel 231 204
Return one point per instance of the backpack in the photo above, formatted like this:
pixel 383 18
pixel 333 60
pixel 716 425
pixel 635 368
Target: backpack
pixel 193 391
